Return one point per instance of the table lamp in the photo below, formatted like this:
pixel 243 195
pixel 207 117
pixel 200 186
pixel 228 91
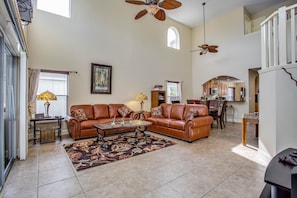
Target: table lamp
pixel 46 96
pixel 141 97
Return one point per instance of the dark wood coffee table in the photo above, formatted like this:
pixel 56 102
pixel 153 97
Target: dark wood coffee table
pixel 139 126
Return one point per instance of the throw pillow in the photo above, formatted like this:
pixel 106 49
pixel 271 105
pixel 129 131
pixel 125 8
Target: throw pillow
pixel 79 114
pixel 191 114
pixel 156 112
pixel 124 111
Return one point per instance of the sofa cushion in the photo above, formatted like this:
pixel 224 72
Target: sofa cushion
pixel 177 111
pixel 101 111
pixel 88 124
pixel 163 122
pixel 124 111
pixel 79 114
pixel 113 110
pixel 87 108
pixel 166 108
pixel 177 124
pixel 156 112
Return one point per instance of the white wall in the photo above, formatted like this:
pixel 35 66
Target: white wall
pixel 236 54
pixel 277 111
pixel 105 32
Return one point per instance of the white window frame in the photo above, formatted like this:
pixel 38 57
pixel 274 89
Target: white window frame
pixel 59 7
pixel 173 40
pixel 178 91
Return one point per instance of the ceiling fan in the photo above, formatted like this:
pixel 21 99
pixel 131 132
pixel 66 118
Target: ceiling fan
pixel 154 7
pixel 205 47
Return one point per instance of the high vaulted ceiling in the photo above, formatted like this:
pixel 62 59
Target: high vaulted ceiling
pixel 191 11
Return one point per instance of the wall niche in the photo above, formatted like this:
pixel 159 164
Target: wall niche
pixel 224 87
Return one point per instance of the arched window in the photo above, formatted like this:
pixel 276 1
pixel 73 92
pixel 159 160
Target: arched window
pixel 173 38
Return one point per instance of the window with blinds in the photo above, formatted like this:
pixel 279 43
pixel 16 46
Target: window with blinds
pixel 56 83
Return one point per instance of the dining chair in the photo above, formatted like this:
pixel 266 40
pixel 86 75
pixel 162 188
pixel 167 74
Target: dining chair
pixel 193 101
pixel 219 115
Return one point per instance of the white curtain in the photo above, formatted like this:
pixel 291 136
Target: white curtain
pixel 33 79
pixel 179 88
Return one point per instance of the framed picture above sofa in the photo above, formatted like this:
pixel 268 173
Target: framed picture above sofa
pixel 101 79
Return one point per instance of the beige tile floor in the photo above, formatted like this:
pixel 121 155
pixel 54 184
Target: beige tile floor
pixel 217 166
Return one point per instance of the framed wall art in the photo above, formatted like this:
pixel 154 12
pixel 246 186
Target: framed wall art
pixel 101 79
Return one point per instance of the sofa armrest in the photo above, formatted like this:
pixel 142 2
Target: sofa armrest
pixel 145 114
pixel 73 126
pixel 200 121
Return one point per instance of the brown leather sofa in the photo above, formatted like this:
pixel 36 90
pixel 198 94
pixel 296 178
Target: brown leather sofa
pixel 97 113
pixel 174 124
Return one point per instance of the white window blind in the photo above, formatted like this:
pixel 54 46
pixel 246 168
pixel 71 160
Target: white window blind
pixel 58 84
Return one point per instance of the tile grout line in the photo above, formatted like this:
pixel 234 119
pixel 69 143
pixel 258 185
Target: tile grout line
pixel 212 189
pixel 74 171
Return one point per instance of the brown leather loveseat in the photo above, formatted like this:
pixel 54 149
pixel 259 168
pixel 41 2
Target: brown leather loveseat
pixel 176 121
pixel 81 126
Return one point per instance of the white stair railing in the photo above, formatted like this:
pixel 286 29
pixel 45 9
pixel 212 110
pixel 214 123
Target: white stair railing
pixel 278 37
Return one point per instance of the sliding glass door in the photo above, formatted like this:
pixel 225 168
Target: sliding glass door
pixel 8 73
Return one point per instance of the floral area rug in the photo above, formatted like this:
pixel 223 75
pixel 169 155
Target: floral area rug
pixel 88 153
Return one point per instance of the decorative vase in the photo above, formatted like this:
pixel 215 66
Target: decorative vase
pixel 122 121
pixel 112 122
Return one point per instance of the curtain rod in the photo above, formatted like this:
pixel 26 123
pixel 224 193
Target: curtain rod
pixel 56 71
pixel 174 81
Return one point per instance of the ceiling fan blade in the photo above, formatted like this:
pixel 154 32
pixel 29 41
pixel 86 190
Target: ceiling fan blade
pixel 204 46
pixel 160 15
pixel 141 14
pixel 213 46
pixel 204 51
pixel 212 50
pixel 170 4
pixel 135 2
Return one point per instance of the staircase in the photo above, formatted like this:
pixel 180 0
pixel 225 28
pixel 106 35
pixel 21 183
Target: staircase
pixel 277 83
pixel 278 34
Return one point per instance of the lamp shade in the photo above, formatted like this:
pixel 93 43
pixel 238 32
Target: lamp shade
pixel 141 96
pixel 47 95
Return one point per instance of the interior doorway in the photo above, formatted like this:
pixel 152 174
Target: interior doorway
pixel 254 90
pixel 251 128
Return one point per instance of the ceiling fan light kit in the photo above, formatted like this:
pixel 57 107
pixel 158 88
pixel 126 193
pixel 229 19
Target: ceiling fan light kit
pixel 154 7
pixel 205 47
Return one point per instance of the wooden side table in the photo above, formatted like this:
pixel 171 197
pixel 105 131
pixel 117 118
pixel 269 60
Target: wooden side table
pixel 229 111
pixel 54 118
pixel 252 118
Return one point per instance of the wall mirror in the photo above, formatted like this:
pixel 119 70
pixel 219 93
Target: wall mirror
pixel 224 87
